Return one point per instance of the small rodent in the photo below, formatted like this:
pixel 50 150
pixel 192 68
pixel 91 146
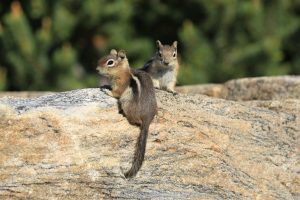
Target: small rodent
pixel 163 67
pixel 136 94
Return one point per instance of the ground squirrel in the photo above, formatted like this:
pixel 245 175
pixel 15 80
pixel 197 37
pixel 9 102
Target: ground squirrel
pixel 136 95
pixel 163 66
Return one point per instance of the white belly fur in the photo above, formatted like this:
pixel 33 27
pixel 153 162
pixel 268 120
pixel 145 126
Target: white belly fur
pixel 166 78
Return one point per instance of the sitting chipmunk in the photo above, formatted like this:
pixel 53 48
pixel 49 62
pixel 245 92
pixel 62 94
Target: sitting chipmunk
pixel 163 67
pixel 136 94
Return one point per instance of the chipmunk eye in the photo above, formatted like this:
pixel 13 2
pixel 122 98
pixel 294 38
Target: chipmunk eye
pixel 110 63
pixel 174 54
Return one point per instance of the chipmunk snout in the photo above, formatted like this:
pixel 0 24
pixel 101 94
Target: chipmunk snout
pixel 99 67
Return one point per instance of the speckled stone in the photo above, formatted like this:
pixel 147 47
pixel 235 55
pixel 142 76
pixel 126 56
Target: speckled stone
pixel 75 145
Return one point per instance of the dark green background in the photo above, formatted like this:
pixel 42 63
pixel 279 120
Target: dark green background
pixel 54 45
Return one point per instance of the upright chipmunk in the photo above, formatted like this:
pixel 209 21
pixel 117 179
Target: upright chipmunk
pixel 163 66
pixel 136 95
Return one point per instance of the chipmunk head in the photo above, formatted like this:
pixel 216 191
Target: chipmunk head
pixel 113 64
pixel 167 54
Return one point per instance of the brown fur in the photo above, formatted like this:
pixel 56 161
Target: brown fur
pixel 137 100
pixel 163 66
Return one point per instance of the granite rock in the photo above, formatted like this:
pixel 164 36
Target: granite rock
pixel 248 89
pixel 75 145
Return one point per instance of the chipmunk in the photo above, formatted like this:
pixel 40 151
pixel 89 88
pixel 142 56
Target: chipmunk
pixel 163 67
pixel 136 95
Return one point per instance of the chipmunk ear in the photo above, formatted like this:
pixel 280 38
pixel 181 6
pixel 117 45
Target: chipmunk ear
pixel 122 54
pixel 158 44
pixel 113 52
pixel 174 44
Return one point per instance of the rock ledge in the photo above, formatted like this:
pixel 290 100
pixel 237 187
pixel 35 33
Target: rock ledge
pixel 75 144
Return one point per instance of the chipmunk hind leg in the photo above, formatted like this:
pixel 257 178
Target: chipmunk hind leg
pixel 155 83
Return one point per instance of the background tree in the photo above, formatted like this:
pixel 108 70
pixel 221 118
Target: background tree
pixel 54 45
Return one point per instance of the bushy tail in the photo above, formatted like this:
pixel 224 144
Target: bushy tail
pixel 139 151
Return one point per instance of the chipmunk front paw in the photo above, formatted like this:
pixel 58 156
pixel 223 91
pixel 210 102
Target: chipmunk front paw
pixel 106 91
pixel 171 91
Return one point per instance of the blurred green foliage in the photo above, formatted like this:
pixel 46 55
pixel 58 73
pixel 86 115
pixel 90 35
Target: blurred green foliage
pixel 55 45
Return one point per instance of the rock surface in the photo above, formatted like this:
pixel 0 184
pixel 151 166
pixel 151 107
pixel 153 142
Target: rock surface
pixel 23 94
pixel 246 89
pixel 262 88
pixel 75 145
pixel 212 90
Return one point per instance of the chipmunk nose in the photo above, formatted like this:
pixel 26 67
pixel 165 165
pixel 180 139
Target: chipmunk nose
pixel 100 65
pixel 98 68
pixel 166 62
